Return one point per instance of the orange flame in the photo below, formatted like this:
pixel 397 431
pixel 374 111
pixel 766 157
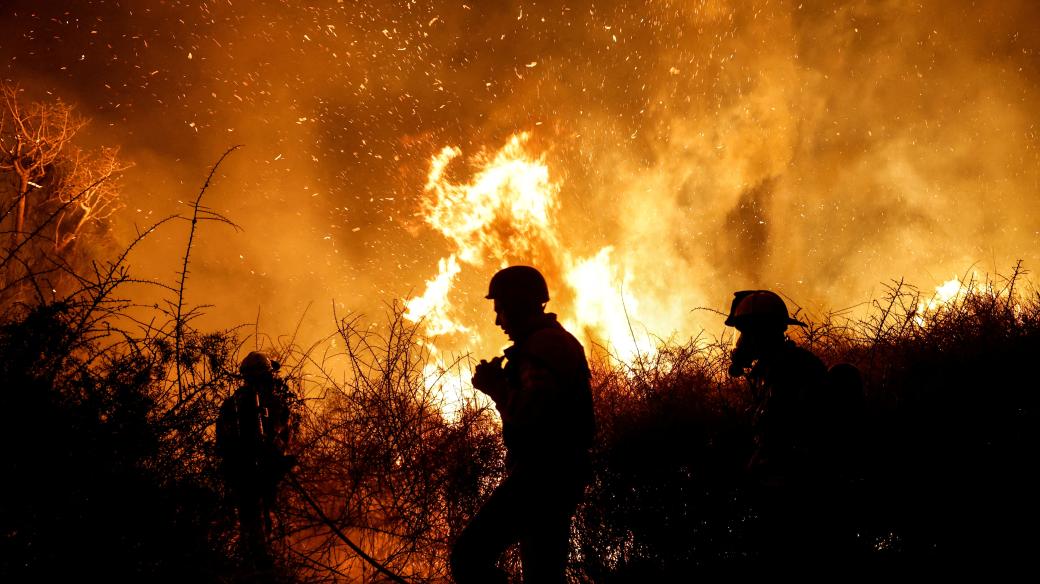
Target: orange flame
pixel 945 295
pixel 951 291
pixel 432 306
pixel 601 308
pixel 506 213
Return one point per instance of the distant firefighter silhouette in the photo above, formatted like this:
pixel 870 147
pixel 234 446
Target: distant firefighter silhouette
pixel 787 385
pixel 253 436
pixel 545 401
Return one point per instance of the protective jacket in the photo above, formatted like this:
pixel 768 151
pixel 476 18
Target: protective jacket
pixel 547 414
pixel 253 433
pixel 788 386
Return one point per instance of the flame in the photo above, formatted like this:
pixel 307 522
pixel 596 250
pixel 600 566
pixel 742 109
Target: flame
pixel 506 211
pixel 431 308
pixel 601 308
pixel 946 294
pixel 507 214
pixel 955 289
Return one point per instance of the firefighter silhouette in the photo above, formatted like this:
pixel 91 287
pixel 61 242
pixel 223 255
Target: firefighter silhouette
pixel 787 384
pixel 785 380
pixel 254 430
pixel 545 401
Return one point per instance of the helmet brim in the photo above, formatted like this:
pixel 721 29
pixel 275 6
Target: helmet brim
pixel 734 321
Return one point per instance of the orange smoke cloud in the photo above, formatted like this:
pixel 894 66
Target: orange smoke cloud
pixel 676 151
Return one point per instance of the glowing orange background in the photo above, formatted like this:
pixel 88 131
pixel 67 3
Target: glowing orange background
pixel 814 148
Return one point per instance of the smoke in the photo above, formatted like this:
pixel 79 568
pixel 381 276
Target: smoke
pixel 822 152
pixel 814 148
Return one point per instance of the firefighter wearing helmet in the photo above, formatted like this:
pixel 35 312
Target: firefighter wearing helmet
pixel 543 395
pixel 786 383
pixel 254 430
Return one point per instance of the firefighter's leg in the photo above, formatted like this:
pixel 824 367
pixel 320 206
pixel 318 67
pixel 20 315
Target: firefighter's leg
pixel 544 549
pixel 252 540
pixel 545 543
pixel 498 524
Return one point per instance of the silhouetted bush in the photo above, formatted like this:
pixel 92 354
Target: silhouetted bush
pixel 386 466
pixel 109 468
pixel 103 479
pixel 932 469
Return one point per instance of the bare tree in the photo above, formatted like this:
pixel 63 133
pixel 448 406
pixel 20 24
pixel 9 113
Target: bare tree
pixel 32 138
pixel 88 193
pixel 51 191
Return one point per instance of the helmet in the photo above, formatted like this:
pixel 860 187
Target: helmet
pixel 759 306
pixel 518 284
pixel 257 364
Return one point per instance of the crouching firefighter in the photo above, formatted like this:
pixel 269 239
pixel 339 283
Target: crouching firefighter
pixel 545 401
pixel 254 431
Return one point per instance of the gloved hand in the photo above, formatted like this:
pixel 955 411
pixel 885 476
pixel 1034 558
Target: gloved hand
pixel 741 359
pixel 490 378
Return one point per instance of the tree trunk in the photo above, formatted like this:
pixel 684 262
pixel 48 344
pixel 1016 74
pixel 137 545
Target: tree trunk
pixel 23 194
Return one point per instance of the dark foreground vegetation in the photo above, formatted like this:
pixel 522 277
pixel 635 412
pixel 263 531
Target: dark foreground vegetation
pixel 107 440
pixel 109 469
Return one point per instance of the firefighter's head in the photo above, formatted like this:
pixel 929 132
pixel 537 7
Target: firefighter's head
pixel 257 367
pixel 762 318
pixel 520 294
